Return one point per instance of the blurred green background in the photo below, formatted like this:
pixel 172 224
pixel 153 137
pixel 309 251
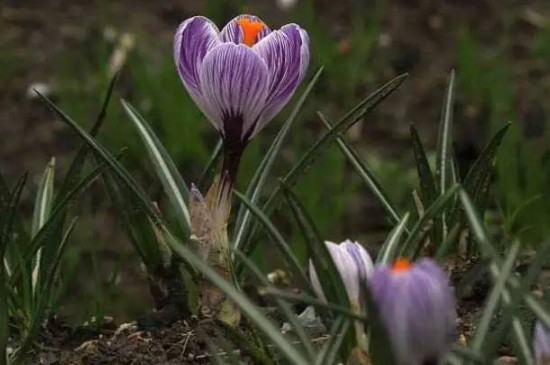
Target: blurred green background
pixel 500 50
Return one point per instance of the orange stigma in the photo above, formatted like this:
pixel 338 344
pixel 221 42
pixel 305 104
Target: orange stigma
pixel 400 264
pixel 250 29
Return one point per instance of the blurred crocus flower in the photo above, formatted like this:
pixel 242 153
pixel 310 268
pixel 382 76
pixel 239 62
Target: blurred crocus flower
pixel 417 306
pixel 542 344
pixel 354 265
pixel 240 77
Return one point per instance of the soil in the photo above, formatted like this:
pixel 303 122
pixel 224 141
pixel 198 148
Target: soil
pixel 179 343
pixel 190 342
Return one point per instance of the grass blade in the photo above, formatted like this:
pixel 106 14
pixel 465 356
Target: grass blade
pixel 246 305
pixel 444 143
pixel 135 223
pixel 483 165
pixel 257 183
pixel 412 245
pixel 9 213
pixel 388 250
pixel 109 159
pixel 353 116
pixel 58 212
pixel 42 210
pixel 316 302
pixel 488 251
pixel 331 282
pixel 277 238
pixel 44 197
pixel 428 189
pixel 44 296
pixel 73 174
pixel 332 348
pixel 166 169
pixel 482 328
pixel 329 277
pixel 444 159
pixel 364 172
pixel 286 309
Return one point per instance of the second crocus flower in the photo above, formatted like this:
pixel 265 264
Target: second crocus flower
pixel 353 264
pixel 417 305
pixel 541 344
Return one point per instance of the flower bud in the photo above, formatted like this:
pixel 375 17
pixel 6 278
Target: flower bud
pixel 352 262
pixel 417 305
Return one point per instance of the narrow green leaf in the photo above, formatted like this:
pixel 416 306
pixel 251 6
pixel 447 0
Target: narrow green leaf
pixel 412 245
pixel 354 115
pixel 337 334
pixel 316 302
pixel 44 197
pixel 389 248
pixel 331 282
pixel 364 172
pixel 482 328
pixel 329 277
pixel 257 183
pixel 540 311
pixel 58 212
pixel 109 159
pixel 452 237
pixel 166 169
pixel 73 174
pixel 210 166
pixel 42 209
pixel 476 227
pixel 9 214
pixel 277 238
pixel 135 223
pixel 483 165
pixel 247 347
pixel 5 195
pixel 285 308
pixel 488 251
pixel 444 159
pixel 428 189
pixel 468 354
pixel 43 297
pixel 444 143
pixel 246 305
pixel 529 279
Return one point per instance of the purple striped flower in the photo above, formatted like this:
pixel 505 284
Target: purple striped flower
pixel 240 77
pixel 542 344
pixel 417 306
pixel 352 262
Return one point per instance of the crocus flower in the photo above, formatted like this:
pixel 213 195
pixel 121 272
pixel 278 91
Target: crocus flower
pixel 417 305
pixel 542 344
pixel 240 77
pixel 352 262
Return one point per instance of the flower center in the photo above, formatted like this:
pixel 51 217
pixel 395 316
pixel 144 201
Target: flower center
pixel 250 30
pixel 400 264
